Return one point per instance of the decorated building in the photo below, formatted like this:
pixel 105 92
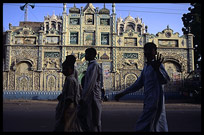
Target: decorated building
pixel 35 51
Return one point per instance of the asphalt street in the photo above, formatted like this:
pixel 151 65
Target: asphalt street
pixel 38 116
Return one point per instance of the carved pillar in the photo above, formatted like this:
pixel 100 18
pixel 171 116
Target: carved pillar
pixel 64 27
pixel 113 37
pixel 39 68
pixel 58 81
pixel 14 79
pixel 7 87
pixel 81 31
pixel 8 60
pixel 96 32
pixel 40 78
pixel 40 42
pixel 190 52
pixel 113 43
pixel 146 39
pixel 8 37
pixel 43 79
pixel 8 50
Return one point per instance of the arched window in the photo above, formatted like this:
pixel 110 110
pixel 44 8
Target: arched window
pixel 139 27
pixel 47 27
pixel 53 24
pixel 121 30
pixel 130 26
pixel 23 67
pixel 59 27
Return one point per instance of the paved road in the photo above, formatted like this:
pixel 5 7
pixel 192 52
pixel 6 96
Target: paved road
pixel 19 115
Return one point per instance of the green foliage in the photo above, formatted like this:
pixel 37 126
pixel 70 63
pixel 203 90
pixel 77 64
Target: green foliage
pixel 192 24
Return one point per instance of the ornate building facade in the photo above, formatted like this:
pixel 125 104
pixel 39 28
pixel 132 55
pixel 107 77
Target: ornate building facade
pixel 34 51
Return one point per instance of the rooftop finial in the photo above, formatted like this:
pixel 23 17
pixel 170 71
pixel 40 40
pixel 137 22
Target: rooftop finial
pixel 167 27
pixel 64 7
pixel 113 8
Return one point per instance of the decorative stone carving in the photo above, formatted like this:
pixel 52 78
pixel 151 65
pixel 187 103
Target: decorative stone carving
pixel 51 63
pixel 130 55
pixel 129 80
pixel 121 55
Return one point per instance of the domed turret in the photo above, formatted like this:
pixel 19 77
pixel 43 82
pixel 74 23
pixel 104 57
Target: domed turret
pixel 104 10
pixel 129 18
pixel 74 10
pixel 53 17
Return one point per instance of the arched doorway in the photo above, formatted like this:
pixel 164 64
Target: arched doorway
pixel 51 83
pixel 23 75
pixel 130 79
pixel 173 68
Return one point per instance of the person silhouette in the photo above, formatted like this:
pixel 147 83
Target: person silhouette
pixel 91 94
pixel 153 75
pixel 66 110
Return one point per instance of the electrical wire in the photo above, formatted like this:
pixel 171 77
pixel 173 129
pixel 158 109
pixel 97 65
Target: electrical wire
pixel 150 12
pixel 123 10
pixel 34 15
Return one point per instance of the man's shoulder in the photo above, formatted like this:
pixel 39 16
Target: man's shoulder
pixel 94 63
pixel 71 78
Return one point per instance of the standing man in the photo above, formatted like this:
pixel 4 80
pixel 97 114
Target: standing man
pixel 91 93
pixel 66 110
pixel 153 75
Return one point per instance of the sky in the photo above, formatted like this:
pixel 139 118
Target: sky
pixel 155 15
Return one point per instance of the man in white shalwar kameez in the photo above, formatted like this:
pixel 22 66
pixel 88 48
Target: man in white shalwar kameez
pixel 153 75
pixel 91 93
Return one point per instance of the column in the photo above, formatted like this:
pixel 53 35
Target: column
pixel 40 42
pixel 64 27
pixel 113 44
pixel 190 52
pixel 81 31
pixel 113 37
pixel 8 50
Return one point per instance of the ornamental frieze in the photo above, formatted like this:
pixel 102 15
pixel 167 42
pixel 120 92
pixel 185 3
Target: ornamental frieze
pixel 11 80
pixel 24 53
pixel 36 81
pixel 52 54
pixel 51 63
pixel 29 66
pixel 130 55
pixel 5 80
pixel 51 83
pixel 24 83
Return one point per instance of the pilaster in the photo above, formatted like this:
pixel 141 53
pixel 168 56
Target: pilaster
pixel 64 28
pixel 8 50
pixel 190 52
pixel 40 42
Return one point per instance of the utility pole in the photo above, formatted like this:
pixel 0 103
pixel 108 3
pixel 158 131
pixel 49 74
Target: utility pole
pixel 25 8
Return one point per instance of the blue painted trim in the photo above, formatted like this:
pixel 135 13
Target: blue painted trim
pixel 32 95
